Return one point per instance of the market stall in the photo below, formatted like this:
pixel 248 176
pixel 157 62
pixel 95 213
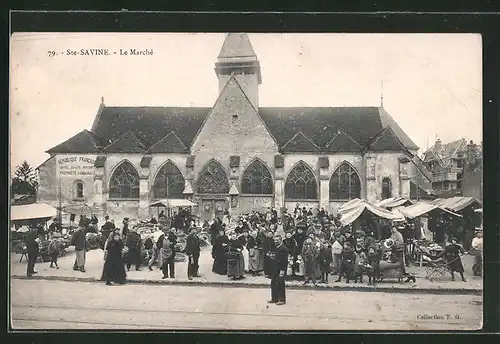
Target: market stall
pixel 394 202
pixel 169 204
pixel 425 249
pixel 29 213
pixel 26 218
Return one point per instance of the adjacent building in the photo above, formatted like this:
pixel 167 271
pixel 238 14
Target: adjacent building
pixel 234 155
pixel 456 168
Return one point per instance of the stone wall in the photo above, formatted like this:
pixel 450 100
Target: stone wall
pixel 47 189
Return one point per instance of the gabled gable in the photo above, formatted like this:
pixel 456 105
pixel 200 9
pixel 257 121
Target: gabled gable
pixel 83 142
pixel 171 143
pixel 233 119
pixel 127 143
pixel 299 144
pixel 342 142
pixel 386 140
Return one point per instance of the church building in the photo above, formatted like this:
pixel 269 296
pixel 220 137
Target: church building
pixel 235 155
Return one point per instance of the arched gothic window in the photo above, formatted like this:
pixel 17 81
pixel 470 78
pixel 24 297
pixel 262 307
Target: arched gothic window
pixel 78 189
pixel 124 183
pixel 169 182
pixel 345 183
pixel 213 179
pixel 386 188
pixel 257 179
pixel 301 183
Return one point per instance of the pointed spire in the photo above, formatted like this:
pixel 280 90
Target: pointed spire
pixel 237 45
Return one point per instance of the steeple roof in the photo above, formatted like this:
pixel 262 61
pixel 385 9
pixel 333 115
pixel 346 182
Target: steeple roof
pixel 236 45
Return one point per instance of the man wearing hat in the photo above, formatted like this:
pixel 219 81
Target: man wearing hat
pixel 106 229
pixel 193 252
pixel 125 227
pixel 134 244
pixel 279 266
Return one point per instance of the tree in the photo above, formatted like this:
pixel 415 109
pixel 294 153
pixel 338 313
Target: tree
pixel 25 180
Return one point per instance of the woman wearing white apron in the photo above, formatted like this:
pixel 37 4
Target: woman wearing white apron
pixel 246 256
pixel 226 219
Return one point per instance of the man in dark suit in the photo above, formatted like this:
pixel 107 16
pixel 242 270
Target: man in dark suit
pixel 32 248
pixel 279 266
pixel 134 244
pixel 193 253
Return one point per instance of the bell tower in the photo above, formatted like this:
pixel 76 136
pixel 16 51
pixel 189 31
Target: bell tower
pixel 238 58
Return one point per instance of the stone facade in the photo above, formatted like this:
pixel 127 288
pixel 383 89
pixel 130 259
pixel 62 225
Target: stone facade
pixel 96 187
pixel 234 133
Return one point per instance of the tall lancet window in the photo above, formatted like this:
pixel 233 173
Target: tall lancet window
pixel 124 183
pixel 169 182
pixel 257 179
pixel 213 179
pixel 345 183
pixel 301 183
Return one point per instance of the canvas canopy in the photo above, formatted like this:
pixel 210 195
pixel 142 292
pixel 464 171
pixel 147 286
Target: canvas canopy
pixel 32 212
pixel 394 202
pixel 356 210
pixel 422 208
pixel 350 205
pixel 456 203
pixel 173 203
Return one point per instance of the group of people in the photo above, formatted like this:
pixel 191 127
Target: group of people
pixel 303 244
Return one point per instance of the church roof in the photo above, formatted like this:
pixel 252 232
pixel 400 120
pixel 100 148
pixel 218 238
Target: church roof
pixel 386 140
pixel 300 144
pixel 83 142
pixel 127 143
pixel 171 143
pixel 320 125
pixel 342 142
pixel 236 45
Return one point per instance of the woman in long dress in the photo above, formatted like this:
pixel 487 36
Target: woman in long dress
pixel 254 263
pixel 244 251
pixel 235 264
pixel 114 266
pixel 219 250
pixel 452 253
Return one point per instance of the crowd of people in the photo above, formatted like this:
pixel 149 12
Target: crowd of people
pixel 303 245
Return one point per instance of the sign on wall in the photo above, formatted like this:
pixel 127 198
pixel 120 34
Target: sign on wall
pixel 75 166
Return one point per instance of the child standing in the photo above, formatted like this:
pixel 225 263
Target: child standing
pixel 54 250
pixel 360 261
pixel 325 260
pixel 373 259
pixel 348 261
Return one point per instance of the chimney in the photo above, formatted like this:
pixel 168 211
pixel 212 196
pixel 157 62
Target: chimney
pixel 437 146
pixel 471 152
pixel 102 100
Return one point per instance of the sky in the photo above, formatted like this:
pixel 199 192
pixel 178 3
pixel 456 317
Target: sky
pixel 432 83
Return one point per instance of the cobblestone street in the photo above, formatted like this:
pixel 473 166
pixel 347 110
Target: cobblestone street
pixel 73 305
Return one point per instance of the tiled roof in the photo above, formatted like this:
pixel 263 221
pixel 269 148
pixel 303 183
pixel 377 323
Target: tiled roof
pixel 299 144
pixel 127 143
pixel 317 124
pixel 151 123
pixel 386 140
pixel 446 152
pixel 171 143
pixel 342 142
pixel 83 142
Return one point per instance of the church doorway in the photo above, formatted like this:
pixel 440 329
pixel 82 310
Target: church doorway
pixel 213 208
